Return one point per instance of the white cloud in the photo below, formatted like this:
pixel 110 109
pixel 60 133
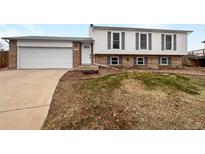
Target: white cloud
pixel 20 30
pixel 3 45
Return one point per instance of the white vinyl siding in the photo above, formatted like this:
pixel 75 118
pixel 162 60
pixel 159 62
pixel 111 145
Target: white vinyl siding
pixel 100 43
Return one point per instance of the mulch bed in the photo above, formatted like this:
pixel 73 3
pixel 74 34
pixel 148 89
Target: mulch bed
pixel 79 75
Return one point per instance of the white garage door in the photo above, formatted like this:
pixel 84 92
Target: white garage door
pixel 44 57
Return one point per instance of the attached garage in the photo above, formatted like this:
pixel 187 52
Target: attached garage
pixel 44 54
pixel 47 52
pixel 45 57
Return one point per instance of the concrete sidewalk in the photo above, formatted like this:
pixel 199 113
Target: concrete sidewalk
pixel 25 97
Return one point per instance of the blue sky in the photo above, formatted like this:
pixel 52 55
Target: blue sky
pixel 81 30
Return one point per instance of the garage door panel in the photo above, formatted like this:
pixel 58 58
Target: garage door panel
pixel 45 58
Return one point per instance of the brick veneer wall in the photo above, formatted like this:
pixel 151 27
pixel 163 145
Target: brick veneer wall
pixel 76 54
pixel 153 61
pixel 13 54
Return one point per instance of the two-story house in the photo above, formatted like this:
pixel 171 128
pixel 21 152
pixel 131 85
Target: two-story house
pixel 138 47
pixel 113 46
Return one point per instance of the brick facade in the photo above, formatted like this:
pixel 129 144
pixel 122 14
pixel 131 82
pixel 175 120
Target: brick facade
pixel 76 54
pixel 13 54
pixel 128 61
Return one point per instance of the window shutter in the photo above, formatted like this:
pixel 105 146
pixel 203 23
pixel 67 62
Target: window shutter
pixel 120 60
pixel 159 60
pixel 150 41
pixel 169 60
pixel 146 60
pixel 123 41
pixel 108 60
pixel 135 60
pixel 137 41
pixel 109 40
pixel 175 42
pixel 162 42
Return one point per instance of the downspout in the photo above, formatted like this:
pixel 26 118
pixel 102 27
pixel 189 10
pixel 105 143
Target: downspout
pixel 92 55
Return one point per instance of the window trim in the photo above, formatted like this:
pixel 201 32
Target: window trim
pixel 120 39
pixel 165 41
pixel 146 41
pixel 172 44
pixel 139 43
pixel 136 61
pixel 167 61
pixel 118 59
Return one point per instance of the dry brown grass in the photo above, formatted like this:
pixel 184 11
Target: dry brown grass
pixel 127 101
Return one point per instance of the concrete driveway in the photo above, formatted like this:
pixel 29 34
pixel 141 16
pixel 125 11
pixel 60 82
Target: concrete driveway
pixel 25 97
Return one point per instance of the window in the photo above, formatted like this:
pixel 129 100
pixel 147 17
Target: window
pixel 116 41
pixel 143 41
pixel 140 61
pixel 168 42
pixel 114 60
pixel 164 61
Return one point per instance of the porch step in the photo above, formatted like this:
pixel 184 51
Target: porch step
pixel 89 69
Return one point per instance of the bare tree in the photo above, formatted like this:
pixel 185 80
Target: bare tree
pixel 3 45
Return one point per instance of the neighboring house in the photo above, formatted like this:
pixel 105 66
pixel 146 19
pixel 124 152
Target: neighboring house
pixel 113 46
pixel 196 57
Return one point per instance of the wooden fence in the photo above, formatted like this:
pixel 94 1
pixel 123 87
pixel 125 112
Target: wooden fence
pixel 4 59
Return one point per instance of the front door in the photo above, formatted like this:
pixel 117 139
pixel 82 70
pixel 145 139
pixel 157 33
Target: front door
pixel 86 54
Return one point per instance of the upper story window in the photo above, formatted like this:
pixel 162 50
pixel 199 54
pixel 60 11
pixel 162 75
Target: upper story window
pixel 143 41
pixel 116 41
pixel 168 43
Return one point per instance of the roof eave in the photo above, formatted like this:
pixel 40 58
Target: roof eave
pixel 141 29
pixel 90 40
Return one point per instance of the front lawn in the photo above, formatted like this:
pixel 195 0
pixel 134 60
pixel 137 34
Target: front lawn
pixel 128 100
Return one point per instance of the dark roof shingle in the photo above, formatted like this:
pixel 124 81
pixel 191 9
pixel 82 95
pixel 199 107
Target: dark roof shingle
pixel 52 38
